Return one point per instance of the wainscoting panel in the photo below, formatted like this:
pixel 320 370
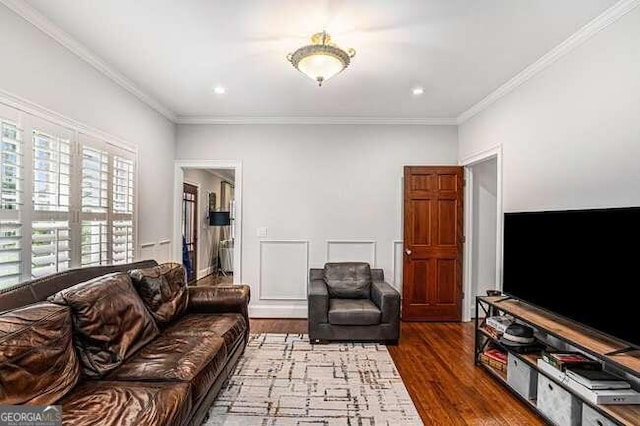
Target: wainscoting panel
pixel 283 269
pixel 396 265
pixel 352 251
pixel 164 251
pixel 147 251
pixel 160 251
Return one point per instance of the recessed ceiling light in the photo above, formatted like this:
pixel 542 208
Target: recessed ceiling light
pixel 417 91
pixel 219 90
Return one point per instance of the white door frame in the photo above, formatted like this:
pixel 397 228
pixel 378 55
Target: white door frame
pixel 467 163
pixel 179 166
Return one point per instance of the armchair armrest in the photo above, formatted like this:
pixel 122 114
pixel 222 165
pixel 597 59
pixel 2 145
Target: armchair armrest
pixel 220 299
pixel 387 299
pixel 318 301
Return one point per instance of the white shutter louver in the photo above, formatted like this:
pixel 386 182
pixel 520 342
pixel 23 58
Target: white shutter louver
pixel 94 242
pixel 122 185
pixel 10 253
pixel 51 172
pixel 11 166
pixel 50 250
pixel 122 241
pixel 95 179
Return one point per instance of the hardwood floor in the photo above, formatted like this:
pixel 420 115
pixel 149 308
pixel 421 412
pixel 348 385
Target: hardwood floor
pixel 212 279
pixel 435 361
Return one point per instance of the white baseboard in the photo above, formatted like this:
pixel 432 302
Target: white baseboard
pixel 277 311
pixel 204 272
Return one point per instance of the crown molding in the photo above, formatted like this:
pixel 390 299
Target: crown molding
pixel 599 23
pixel 204 119
pixel 38 20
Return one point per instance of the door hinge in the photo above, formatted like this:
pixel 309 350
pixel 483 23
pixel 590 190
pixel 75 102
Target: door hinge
pixel 462 295
pixel 464 239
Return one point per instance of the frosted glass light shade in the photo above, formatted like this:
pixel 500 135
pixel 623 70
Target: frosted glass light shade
pixel 320 67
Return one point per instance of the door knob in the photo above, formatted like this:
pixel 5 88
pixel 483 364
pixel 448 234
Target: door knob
pixel 408 252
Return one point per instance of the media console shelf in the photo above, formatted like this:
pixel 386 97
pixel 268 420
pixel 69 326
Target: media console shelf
pixel 611 352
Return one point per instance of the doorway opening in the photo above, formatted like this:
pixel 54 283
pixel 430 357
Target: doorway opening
pixel 483 248
pixel 209 220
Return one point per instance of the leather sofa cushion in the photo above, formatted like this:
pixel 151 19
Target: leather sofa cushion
pixel 196 359
pixel 110 321
pixel 348 280
pixel 163 289
pixel 38 364
pixel 231 327
pixel 104 403
pixel 353 312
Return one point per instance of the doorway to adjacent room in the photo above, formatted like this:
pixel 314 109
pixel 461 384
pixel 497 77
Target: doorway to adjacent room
pixel 214 217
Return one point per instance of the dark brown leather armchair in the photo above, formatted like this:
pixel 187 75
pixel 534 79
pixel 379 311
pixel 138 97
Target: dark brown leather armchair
pixel 350 301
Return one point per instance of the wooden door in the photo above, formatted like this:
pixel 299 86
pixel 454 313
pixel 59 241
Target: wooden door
pixel 433 237
pixel 190 229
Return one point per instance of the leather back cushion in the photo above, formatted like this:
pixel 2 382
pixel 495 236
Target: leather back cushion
pixel 38 364
pixel 163 289
pixel 110 321
pixel 348 280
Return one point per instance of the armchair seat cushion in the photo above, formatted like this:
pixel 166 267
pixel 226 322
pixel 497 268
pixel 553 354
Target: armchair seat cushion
pixel 353 312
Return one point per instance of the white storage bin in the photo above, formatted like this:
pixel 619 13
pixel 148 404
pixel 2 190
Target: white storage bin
pixel 591 417
pixel 557 404
pixel 521 377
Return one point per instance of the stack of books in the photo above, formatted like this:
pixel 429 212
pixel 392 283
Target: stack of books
pixel 495 358
pixel 562 360
pixel 587 378
pixel 496 325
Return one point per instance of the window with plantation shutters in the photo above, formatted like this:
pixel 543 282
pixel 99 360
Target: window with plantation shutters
pixel 107 206
pixel 66 198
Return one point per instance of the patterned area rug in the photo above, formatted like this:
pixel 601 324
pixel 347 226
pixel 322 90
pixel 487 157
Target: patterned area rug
pixel 282 379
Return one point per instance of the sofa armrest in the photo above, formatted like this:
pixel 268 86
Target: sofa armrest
pixel 387 299
pixel 318 301
pixel 220 299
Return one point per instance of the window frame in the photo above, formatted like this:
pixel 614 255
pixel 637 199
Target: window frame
pixel 29 117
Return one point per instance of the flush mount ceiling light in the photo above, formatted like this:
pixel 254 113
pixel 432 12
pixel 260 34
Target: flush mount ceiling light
pixel 322 59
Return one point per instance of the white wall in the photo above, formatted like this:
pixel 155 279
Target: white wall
pixel 571 135
pixel 38 69
pixel 311 184
pixel 485 187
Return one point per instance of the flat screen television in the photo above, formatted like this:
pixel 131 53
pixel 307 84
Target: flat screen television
pixel 581 264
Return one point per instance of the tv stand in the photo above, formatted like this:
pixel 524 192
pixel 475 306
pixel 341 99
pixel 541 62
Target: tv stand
pixel 556 331
pixel 621 351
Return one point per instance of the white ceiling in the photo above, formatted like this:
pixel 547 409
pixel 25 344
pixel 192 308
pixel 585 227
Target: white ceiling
pixel 458 50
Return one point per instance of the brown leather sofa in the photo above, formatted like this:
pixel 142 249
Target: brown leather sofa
pixel 120 345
